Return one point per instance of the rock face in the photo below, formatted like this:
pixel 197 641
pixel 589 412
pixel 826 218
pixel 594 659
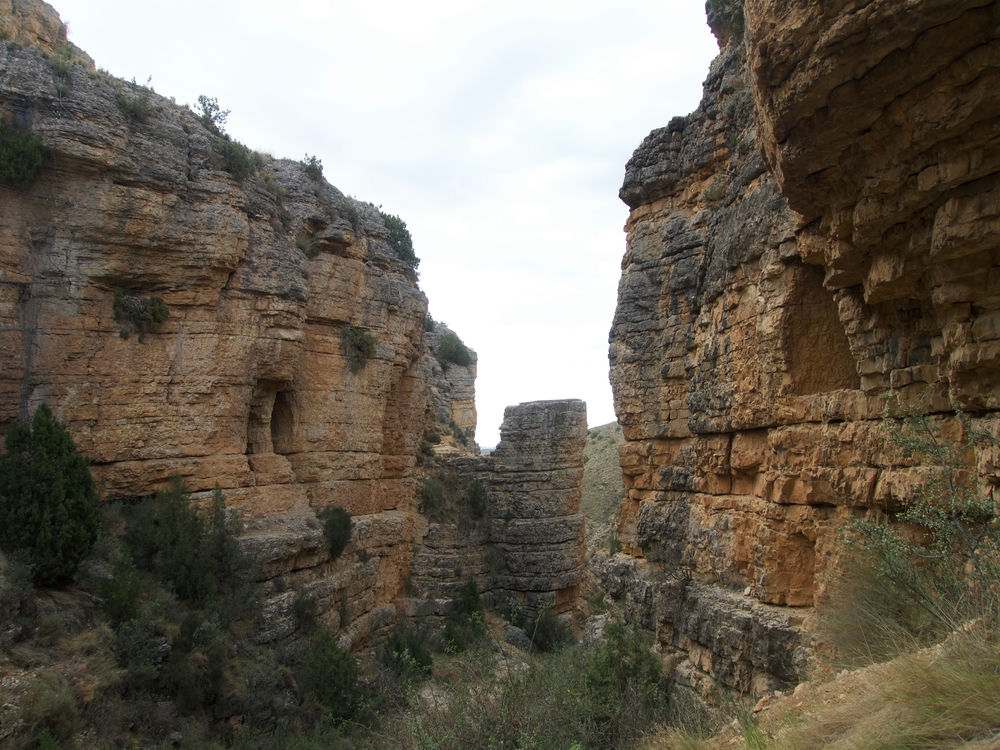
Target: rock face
pixel 534 504
pixel 810 250
pixel 33 23
pixel 291 368
pixel 524 545
pixel 295 366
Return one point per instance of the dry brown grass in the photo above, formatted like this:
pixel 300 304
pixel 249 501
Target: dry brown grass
pixel 947 696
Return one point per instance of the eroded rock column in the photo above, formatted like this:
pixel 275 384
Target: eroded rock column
pixel 534 505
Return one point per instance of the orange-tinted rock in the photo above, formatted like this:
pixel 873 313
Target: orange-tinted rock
pixel 813 245
pixel 249 383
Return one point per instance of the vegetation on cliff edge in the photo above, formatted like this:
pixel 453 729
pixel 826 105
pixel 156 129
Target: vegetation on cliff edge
pixel 400 239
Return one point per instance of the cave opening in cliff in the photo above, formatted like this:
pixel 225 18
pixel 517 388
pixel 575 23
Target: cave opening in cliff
pixel 271 420
pixel 282 423
pixel 817 354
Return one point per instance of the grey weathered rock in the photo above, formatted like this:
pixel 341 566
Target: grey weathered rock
pixel 527 548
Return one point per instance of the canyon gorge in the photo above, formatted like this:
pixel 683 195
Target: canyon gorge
pixel 811 253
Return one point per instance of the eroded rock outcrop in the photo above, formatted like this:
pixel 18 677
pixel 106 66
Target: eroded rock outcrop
pixel 520 534
pixel 291 368
pixel 452 385
pixel 534 508
pixel 811 249
pixel 295 366
pixel 34 23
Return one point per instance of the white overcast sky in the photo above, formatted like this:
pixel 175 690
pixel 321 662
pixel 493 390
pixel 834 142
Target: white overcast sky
pixel 498 131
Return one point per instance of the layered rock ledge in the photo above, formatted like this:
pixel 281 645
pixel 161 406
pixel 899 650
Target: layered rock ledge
pixel 295 367
pixel 524 547
pixel 810 251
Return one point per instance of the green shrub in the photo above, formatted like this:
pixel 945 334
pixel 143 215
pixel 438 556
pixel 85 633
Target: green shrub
pixel 428 323
pixel 137 314
pixel 136 106
pixel 239 160
pixel 453 638
pixel 305 612
pixel 199 655
pixel 120 592
pixel 198 557
pixel 426 449
pixel 138 647
pixel 625 686
pixel 211 115
pixel 328 675
pixel 468 604
pixel 464 623
pixel 451 350
pixel 313 167
pixel 22 156
pixel 400 239
pixel 336 529
pixel 61 62
pixel 307 243
pixel 359 347
pixel 431 494
pixel 49 509
pixel 406 654
pixel 349 211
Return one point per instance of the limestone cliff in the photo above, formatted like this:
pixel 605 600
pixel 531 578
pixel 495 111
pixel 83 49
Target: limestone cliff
pixel 815 244
pixel 33 23
pixel 247 325
pixel 291 368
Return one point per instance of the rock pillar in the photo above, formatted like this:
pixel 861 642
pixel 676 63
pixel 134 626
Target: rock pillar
pixel 534 504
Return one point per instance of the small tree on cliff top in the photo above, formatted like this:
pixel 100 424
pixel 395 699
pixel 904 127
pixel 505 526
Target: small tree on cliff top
pixel 452 351
pixel 400 239
pixel 49 509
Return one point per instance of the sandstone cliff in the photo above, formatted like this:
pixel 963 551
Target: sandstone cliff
pixel 814 245
pixel 452 387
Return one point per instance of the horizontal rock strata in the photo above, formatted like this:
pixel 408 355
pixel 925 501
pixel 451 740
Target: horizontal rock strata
pixel 257 332
pixel 810 250
pixel 291 368
pixel 525 549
